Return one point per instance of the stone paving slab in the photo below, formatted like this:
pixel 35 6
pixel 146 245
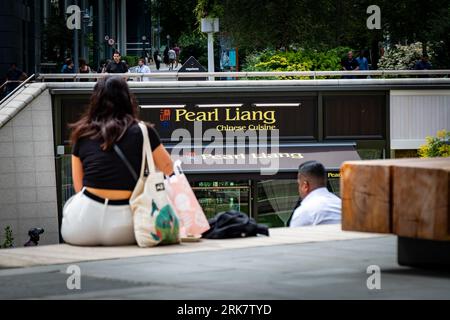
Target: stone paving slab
pixel 317 270
pixel 60 254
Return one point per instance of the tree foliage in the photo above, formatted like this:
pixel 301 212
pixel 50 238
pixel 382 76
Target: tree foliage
pixel 255 25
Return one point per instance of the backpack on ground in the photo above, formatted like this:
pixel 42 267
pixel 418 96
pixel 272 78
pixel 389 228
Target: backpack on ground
pixel 233 224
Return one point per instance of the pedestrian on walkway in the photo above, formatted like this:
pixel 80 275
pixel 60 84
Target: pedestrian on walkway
pixel 350 64
pixel 16 75
pixel 166 56
pixel 363 63
pixel 116 65
pixel 423 64
pixel 172 57
pixel 68 66
pixel 100 214
pixel 177 52
pixel 143 68
pixel 157 59
pixel 84 68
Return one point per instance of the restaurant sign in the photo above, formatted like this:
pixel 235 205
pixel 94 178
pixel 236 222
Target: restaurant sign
pixel 296 117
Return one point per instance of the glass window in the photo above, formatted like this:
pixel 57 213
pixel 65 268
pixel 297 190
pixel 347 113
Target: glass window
pixel 215 197
pixel 276 201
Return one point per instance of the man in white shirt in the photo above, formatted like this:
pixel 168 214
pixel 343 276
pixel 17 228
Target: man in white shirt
pixel 318 206
pixel 143 68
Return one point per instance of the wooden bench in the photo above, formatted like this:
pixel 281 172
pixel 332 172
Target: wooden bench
pixel 409 198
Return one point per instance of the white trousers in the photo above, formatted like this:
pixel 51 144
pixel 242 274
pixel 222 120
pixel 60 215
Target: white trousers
pixel 88 222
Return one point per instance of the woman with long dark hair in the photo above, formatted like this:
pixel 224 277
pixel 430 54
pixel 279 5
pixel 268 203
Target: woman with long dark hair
pixel 99 214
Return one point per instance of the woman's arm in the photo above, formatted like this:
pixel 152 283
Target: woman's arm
pixel 162 160
pixel 77 173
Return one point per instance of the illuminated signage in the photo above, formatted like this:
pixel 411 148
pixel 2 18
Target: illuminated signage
pixel 293 117
pixel 226 114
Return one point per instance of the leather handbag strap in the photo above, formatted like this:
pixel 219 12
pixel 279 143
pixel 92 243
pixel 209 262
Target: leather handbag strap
pixel 125 161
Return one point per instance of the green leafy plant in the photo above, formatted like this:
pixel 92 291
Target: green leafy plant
pixel 132 61
pixel 299 60
pixel 438 146
pixel 9 239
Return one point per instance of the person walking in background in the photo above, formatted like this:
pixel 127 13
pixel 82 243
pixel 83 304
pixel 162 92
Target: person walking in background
pixel 68 66
pixel 16 75
pixel 143 68
pixel 116 65
pixel 100 214
pixel 84 68
pixel 363 63
pixel 157 59
pixel 349 64
pixel 166 56
pixel 172 57
pixel 423 64
pixel 177 52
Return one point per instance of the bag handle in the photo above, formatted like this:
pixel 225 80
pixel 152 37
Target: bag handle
pixel 147 156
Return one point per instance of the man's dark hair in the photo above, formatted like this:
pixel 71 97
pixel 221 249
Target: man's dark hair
pixel 116 52
pixel 314 170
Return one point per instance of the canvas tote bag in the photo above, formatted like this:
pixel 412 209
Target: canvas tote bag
pixel 155 221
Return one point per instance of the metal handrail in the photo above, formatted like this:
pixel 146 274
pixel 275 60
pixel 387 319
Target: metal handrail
pixel 9 81
pixel 253 74
pixel 17 89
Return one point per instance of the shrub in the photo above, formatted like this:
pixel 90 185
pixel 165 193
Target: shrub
pixel 300 60
pixel 132 61
pixel 438 146
pixel 402 57
pixel 9 240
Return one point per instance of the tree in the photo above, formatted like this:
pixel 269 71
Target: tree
pixel 176 17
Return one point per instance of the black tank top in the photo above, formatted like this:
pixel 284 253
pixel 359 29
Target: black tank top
pixel 104 169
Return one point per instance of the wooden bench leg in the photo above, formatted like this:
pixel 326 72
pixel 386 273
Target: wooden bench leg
pixel 424 253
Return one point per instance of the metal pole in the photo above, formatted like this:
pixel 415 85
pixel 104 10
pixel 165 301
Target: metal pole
pixel 75 46
pixel 75 50
pixel 83 34
pixel 159 32
pixel 123 27
pixel 101 53
pixel 211 54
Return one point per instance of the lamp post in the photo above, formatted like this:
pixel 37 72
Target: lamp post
pixel 144 52
pixel 144 38
pixel 168 41
pixel 210 26
pixel 86 21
